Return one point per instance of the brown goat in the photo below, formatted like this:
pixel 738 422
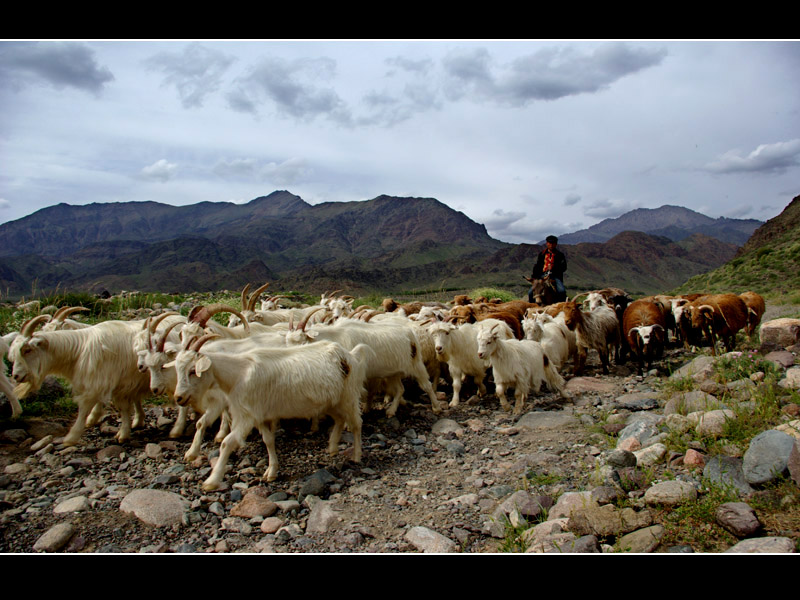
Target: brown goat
pixel 755 310
pixel 645 330
pixel 719 316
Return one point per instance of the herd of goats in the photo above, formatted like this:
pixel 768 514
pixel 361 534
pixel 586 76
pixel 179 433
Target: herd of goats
pixel 331 359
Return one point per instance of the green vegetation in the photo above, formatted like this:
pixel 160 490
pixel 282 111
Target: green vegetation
pixel 772 271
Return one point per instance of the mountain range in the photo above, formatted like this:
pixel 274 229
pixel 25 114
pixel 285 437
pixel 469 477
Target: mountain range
pixel 383 245
pixel 674 222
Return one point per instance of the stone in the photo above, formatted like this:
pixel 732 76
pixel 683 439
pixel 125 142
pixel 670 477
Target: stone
pixel 793 464
pixel 781 333
pixel 670 493
pixel 691 401
pixel 76 504
pixel 701 367
pixel 650 455
pixel 429 541
pixel 770 545
pixel 254 505
pixel 792 428
pixel 767 456
pixel 642 540
pixel 155 507
pixel 547 420
pixel 738 518
pixel 606 520
pixel 713 423
pixel 791 379
pixel 569 502
pixel 782 358
pixel 323 515
pixel 727 471
pixel 54 538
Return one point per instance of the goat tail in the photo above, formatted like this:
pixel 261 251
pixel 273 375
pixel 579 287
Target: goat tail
pixel 554 379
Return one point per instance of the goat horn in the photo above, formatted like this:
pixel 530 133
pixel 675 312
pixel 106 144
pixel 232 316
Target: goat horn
pixel 63 312
pixel 197 343
pixel 162 340
pixel 201 314
pixel 30 325
pixel 244 296
pixel 254 296
pixel 302 324
pixel 154 321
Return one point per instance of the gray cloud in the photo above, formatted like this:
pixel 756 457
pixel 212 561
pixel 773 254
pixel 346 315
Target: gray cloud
pixel 60 64
pixel 161 170
pixel 607 209
pixel 548 74
pixel 195 72
pixel 571 199
pixel 767 158
pixel 422 66
pixel 291 86
pixel 4 204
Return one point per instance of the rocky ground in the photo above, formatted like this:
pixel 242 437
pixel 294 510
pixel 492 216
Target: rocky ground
pixel 426 482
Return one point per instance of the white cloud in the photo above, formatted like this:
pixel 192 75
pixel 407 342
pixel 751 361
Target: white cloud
pixel 4 204
pixel 288 172
pixel 766 158
pixel 161 170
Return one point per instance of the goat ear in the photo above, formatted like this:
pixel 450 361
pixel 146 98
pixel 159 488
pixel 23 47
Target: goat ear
pixel 38 342
pixel 202 365
pixel 169 365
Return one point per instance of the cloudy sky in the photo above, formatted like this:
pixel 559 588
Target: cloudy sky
pixel 528 137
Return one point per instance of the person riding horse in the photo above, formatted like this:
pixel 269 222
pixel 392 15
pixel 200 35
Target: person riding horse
pixel 548 272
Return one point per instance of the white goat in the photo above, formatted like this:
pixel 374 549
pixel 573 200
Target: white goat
pixel 264 385
pixel 521 364
pixel 395 353
pixel 457 345
pixel 554 336
pixel 99 362
pixel 6 387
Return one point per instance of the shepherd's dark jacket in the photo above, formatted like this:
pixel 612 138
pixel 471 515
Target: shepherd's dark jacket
pixel 559 265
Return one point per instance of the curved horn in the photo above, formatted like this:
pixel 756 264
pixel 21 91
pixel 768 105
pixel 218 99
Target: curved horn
pixel 160 341
pixel 63 312
pixel 197 343
pixel 30 325
pixel 244 296
pixel 251 303
pixel 154 321
pixel 302 324
pixel 201 314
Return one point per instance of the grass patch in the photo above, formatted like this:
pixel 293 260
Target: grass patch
pixel 695 523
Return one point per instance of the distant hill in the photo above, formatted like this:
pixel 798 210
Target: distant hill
pixel 383 245
pixel 768 263
pixel 674 222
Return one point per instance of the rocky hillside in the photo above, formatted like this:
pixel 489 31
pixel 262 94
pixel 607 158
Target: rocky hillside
pixel 767 263
pixel 673 222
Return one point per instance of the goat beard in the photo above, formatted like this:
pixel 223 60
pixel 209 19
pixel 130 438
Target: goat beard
pixel 22 390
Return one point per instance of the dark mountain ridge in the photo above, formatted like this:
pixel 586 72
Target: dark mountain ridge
pixel 384 244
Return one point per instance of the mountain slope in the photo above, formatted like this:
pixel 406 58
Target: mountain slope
pixel 769 263
pixel 673 222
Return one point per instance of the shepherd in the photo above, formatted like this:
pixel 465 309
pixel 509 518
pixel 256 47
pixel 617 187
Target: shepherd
pixel 549 268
